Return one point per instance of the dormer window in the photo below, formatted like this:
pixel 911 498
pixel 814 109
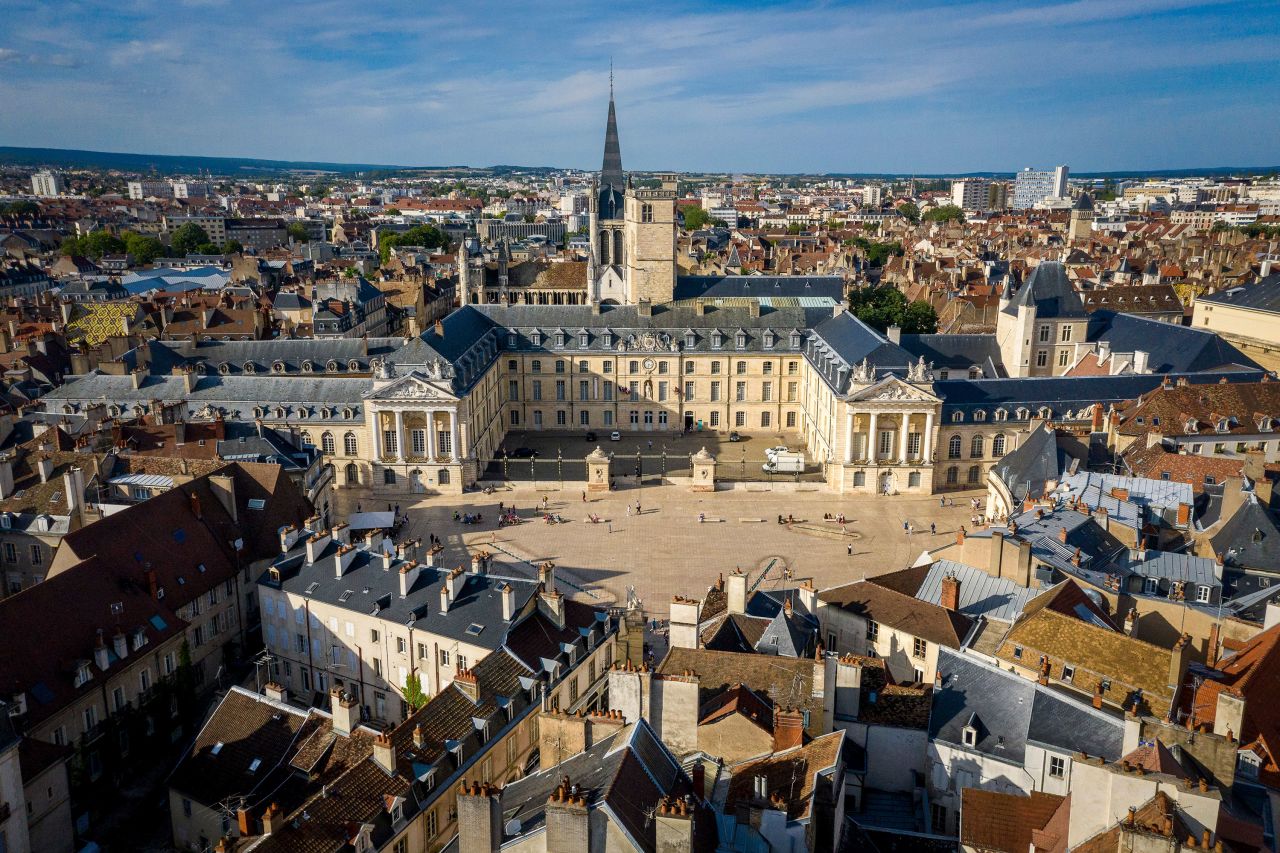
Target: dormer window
pixel 83 673
pixel 740 340
pixel 331 366
pixel 1002 414
pixel 957 417
pixel 279 412
pixel 1222 425
pixel 584 339
pixel 980 416
pixel 607 338
pixel 138 640
pixel 1046 412
pixel 795 340
pixel 535 338
pixel 690 340
pixel 353 365
pixel 307 366
pixel 559 339
pixel 970 735
pixel 769 340
pixel 248 367
pixel 511 340
pixel 1023 413
pixel 277 367
pixel 717 340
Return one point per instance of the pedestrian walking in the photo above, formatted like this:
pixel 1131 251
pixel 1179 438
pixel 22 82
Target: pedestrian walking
pixel 357 507
pixel 637 507
pixel 942 502
pixel 651 444
pixel 905 526
pixel 911 528
pixel 611 527
pixel 628 510
pixel 849 548
pixel 584 497
pixel 844 530
pixel 933 528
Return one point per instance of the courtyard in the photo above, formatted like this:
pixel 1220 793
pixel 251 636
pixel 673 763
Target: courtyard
pixel 665 549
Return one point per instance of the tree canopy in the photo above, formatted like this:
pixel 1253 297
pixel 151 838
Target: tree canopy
pixel 143 248
pixel 945 213
pixel 910 211
pixel 188 238
pixel 427 236
pixel 94 245
pixel 695 218
pixel 298 232
pixel 882 307
pixel 876 253
pixel 22 207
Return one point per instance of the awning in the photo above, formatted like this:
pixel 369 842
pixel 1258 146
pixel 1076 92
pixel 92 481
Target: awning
pixel 371 520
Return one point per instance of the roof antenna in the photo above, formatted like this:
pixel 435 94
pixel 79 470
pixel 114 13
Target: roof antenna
pixel 611 78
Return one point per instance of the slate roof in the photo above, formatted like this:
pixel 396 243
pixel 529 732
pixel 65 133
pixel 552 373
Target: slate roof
pixel 1049 290
pixel 981 594
pixel 1010 712
pixel 1170 348
pixel 1032 465
pixel 1250 539
pixel 955 352
pixel 1264 295
pixel 792 773
pixel 757 286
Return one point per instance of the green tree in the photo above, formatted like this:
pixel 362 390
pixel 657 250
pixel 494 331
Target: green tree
pixel 186 238
pixel 696 218
pixel 208 248
pixel 795 228
pixel 945 213
pixel 298 232
pixel 427 236
pixel 232 247
pixel 919 318
pixel 94 245
pixel 391 211
pixel 413 695
pixel 910 211
pixel 143 248
pixel 20 208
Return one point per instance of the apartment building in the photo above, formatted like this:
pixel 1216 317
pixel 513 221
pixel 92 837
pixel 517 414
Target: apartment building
pixel 48 184
pixel 971 193
pixel 1031 187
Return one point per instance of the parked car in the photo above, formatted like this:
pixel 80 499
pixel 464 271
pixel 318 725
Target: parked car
pixel 615 436
pixel 736 436
pixel 784 463
pixel 771 452
pixel 591 436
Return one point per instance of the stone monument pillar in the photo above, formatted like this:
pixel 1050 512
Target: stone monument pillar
pixel 704 471
pixel 597 471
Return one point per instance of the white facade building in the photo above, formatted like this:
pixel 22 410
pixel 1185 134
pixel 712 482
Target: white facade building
pixel 48 184
pixel 1032 187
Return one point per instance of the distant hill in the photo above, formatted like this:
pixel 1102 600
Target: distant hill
pixel 170 164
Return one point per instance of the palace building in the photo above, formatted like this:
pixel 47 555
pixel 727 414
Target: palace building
pixel 651 351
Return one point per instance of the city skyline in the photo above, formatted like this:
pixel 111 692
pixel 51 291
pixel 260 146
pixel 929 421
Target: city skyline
pixel 1154 84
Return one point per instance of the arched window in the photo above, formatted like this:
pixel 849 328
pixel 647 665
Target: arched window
pixel 617 248
pixel 953 475
pixel 331 366
pixel 975 447
pixel 957 417
pixel 975 472
pixel 953 447
pixel 307 366
pixel 443 477
pixel 605 246
pixel 326 442
pixel 248 367
pixel 997 445
pixel 353 474
pixel 975 372
pixel 349 445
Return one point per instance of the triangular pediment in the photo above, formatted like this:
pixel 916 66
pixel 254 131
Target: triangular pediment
pixel 413 386
pixel 891 388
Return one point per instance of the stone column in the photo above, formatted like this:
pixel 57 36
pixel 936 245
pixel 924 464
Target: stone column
pixel 377 436
pixel 873 440
pixel 431 435
pixel 926 443
pixel 453 435
pixel 848 448
pixel 400 450
pixel 902 439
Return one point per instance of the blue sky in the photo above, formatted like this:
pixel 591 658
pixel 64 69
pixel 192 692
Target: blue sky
pixel 785 87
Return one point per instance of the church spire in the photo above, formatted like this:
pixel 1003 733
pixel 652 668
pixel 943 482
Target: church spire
pixel 611 171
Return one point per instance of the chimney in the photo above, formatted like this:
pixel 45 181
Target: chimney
pixel 246 823
pixel 1140 358
pixel 44 465
pixel 673 825
pixel 894 333
pixel 275 691
pixel 342 560
pixel 547 577
pixel 736 592
pixel 566 817
pixel 272 819
pixel 121 645
pixel 316 545
pixel 288 537
pixel 950 597
pixel 408 576
pixel 1184 515
pixel 439 327
pixel 73 487
pixel 508 601
pixel 419 737
pixel 467 682
pixel 6 477
pixel 100 655
pixel 996 562
pixel 341 533
pixel 345 712
pixel 384 753
pixel 1178 661
pixel 788 729
pixel 223 487
pixel 479 818
pixel 194 500
pixel 1131 622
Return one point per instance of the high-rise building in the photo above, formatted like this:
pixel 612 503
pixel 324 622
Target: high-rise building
pixel 1032 187
pixel 139 190
pixel 971 193
pixel 48 184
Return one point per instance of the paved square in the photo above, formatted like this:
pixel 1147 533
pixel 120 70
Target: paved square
pixel 666 551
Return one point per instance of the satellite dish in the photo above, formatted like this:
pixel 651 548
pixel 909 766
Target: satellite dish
pixel 511 827
pixel 238 544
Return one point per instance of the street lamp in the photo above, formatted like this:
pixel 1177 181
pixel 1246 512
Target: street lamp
pixel 560 468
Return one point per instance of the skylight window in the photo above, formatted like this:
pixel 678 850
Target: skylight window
pixel 474 629
pixel 346 594
pixel 254 765
pixel 257 503
pixel 217 747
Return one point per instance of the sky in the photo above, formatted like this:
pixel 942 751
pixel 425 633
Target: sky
pixel 917 86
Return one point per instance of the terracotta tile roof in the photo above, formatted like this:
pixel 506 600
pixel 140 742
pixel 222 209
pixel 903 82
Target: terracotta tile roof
pixel 1167 409
pixel 1252 673
pixel 792 773
pixel 786 681
pixel 993 821
pixel 1157 817
pixel 900 611
pixel 1156 463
